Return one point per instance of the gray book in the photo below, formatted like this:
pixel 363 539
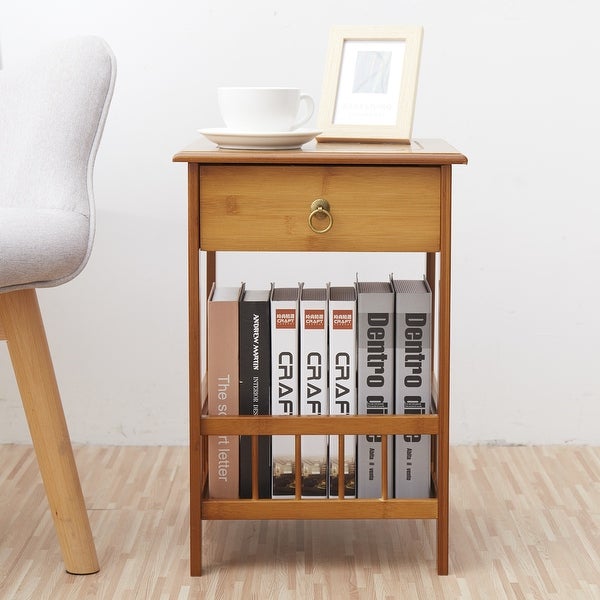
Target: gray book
pixel 413 385
pixel 375 380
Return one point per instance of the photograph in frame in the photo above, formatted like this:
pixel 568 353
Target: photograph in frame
pixel 370 84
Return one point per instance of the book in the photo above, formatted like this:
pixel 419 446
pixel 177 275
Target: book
pixel 314 396
pixel 255 384
pixel 223 388
pixel 375 368
pixel 342 384
pixel 284 385
pixel 413 385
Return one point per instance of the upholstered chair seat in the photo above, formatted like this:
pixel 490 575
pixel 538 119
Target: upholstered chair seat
pixel 27 234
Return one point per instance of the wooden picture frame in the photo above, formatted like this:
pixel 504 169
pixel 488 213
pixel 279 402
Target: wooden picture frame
pixel 370 84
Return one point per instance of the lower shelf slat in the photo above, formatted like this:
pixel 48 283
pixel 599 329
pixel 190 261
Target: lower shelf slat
pixel 317 425
pixel 426 508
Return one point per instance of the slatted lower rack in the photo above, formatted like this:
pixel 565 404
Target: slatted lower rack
pixel 332 508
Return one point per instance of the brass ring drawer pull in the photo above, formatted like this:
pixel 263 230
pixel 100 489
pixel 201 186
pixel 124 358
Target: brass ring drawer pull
pixel 320 210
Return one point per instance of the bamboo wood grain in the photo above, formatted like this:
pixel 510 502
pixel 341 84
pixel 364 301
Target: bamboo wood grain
pixel 341 483
pixel 316 425
pixel 298 466
pixel 254 463
pixel 430 275
pixel 266 208
pixel 443 404
pixel 384 467
pixel 258 201
pixel 32 364
pixel 349 508
pixel 418 152
pixel 195 379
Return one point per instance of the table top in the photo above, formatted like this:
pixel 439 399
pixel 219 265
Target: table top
pixel 418 152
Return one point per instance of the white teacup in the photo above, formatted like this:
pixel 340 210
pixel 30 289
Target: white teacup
pixel 263 109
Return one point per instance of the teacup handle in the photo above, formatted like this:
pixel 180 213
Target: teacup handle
pixel 310 106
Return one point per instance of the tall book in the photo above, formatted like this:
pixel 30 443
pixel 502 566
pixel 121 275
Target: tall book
pixel 255 385
pixel 314 396
pixel 223 388
pixel 375 368
pixel 342 384
pixel 284 385
pixel 413 384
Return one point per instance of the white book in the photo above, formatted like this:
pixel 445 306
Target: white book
pixel 342 388
pixel 284 384
pixel 314 394
pixel 413 384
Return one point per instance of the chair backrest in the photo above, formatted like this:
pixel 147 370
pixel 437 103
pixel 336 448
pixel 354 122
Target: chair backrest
pixel 52 114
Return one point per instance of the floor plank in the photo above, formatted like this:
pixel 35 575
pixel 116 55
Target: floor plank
pixel 525 524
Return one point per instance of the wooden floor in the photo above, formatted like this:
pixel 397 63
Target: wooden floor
pixel 525 523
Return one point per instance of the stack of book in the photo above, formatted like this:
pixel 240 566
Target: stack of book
pixel 337 350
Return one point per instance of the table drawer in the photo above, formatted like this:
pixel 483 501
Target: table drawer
pixel 267 208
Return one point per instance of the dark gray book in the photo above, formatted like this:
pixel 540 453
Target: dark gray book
pixel 375 381
pixel 255 385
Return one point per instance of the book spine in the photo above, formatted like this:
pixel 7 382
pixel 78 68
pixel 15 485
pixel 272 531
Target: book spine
pixel 313 394
pixel 255 391
pixel 375 387
pixel 284 393
pixel 413 391
pixel 342 391
pixel 223 396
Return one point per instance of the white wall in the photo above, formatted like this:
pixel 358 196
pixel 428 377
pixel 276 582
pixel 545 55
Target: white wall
pixel 510 84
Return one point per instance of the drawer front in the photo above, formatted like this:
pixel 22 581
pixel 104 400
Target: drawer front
pixel 267 208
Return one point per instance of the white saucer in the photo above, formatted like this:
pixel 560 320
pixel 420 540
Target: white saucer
pixel 247 140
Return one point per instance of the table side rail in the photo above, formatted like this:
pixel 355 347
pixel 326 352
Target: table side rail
pixel 331 509
pixel 319 425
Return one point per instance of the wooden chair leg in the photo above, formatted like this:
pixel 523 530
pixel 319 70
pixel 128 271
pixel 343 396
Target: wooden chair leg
pixel 23 329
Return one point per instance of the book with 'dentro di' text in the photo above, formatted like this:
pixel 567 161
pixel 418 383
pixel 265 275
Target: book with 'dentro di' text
pixel 375 367
pixel 413 384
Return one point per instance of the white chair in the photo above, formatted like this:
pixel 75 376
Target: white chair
pixel 52 113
